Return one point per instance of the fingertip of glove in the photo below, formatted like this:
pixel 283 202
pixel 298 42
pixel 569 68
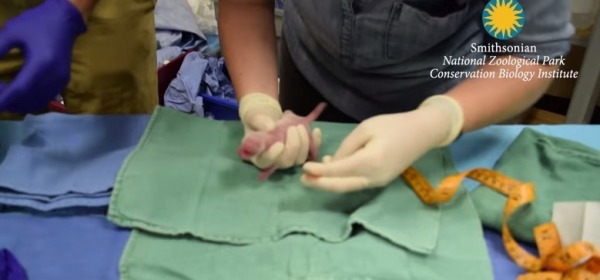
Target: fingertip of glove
pixel 308 180
pixel 316 133
pixel 268 157
pixel 312 168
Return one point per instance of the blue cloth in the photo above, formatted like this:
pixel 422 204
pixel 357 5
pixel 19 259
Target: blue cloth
pixel 213 44
pixel 184 40
pixel 503 267
pixel 10 268
pixel 64 247
pixel 183 91
pixel 176 26
pixel 54 161
pixel 167 54
pixel 10 133
pixel 198 75
pixel 215 81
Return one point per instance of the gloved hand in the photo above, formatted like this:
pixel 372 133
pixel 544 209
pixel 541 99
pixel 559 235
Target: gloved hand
pixel 382 147
pixel 260 112
pixel 46 35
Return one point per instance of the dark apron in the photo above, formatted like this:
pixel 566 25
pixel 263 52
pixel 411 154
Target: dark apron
pixel 114 63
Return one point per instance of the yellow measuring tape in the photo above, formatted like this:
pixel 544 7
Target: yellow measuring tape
pixel 578 261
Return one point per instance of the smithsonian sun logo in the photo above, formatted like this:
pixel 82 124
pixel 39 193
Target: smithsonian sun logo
pixel 503 19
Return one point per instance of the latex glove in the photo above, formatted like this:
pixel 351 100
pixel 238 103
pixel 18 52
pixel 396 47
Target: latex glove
pixel 382 147
pixel 260 112
pixel 46 35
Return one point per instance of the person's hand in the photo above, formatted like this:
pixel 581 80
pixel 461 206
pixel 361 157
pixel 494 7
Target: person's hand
pixel 382 147
pixel 46 35
pixel 260 112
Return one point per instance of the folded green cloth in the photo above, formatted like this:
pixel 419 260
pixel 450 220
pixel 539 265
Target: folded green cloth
pixel 200 211
pixel 561 170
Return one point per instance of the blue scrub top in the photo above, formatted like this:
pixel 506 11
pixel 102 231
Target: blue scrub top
pixel 370 57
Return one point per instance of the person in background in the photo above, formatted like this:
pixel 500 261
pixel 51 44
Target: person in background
pixel 371 61
pixel 99 55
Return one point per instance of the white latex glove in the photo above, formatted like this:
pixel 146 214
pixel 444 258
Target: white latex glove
pixel 382 147
pixel 260 112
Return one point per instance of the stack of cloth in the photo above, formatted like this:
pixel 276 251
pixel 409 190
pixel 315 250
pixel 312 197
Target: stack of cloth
pixel 63 163
pixel 206 17
pixel 199 76
pixel 56 177
pixel 183 26
pixel 177 31
pixel 202 72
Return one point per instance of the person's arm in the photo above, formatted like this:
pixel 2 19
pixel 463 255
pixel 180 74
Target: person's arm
pixel 372 155
pixel 84 6
pixel 490 101
pixel 247 33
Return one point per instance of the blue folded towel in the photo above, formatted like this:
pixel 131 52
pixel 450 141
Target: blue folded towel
pixel 80 247
pixel 54 161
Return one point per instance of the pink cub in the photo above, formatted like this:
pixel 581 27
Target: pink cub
pixel 260 141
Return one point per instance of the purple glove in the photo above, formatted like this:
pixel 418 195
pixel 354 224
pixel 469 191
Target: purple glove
pixel 10 268
pixel 46 35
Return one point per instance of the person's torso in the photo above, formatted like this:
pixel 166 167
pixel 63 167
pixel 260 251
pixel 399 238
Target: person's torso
pixel 370 57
